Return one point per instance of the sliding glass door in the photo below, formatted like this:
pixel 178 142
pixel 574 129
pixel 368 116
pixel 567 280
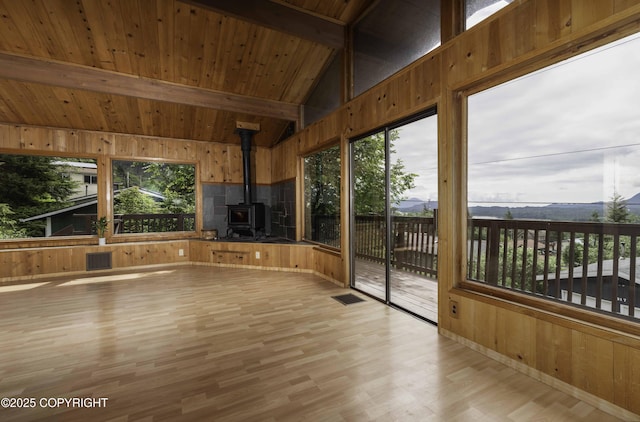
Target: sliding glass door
pixel 369 240
pixel 413 209
pixel 394 215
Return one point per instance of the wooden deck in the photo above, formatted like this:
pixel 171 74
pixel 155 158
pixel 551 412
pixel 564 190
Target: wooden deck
pixel 411 291
pixel 198 343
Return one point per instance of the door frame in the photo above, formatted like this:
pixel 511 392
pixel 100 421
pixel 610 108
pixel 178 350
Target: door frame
pixel 432 111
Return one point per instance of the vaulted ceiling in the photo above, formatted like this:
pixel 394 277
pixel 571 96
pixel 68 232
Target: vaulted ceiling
pixel 183 69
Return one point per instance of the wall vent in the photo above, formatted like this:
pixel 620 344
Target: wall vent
pixel 99 261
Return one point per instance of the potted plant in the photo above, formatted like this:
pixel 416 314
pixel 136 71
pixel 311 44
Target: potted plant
pixel 101 225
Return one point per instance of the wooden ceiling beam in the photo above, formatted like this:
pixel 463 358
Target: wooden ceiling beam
pixel 280 18
pixel 73 76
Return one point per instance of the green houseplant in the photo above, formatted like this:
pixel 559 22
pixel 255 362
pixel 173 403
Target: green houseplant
pixel 101 225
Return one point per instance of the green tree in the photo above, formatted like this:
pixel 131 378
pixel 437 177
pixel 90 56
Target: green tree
pixel 426 210
pixel 369 176
pixel 8 226
pixel 513 275
pixel 617 211
pixel 177 182
pixel 322 196
pixel 592 252
pixel 132 201
pixel 526 283
pixel 31 185
pixel 130 173
pixel 322 182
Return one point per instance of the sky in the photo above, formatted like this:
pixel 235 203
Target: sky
pixel 569 133
pixel 485 12
pixel 417 147
pixel 566 134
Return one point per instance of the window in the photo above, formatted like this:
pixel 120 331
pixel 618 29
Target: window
pixel 478 10
pixel 90 179
pixel 322 196
pixel 553 182
pixel 43 196
pixel 392 35
pixel 325 97
pixel 153 197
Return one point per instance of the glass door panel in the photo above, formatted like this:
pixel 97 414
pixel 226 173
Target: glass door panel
pixel 369 236
pixel 413 158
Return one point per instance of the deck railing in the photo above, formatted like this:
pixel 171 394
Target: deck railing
pixel 154 223
pixel 414 242
pixel 326 229
pixel 589 264
pixel 133 223
pixel 593 265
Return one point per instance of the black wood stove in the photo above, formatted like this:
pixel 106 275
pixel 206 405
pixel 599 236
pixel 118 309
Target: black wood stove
pixel 247 218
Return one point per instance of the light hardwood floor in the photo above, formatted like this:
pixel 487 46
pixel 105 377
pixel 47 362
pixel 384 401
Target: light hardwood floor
pixel 205 343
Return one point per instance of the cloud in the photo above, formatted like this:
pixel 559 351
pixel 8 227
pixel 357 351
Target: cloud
pixel 561 134
pixel 417 147
pixel 569 133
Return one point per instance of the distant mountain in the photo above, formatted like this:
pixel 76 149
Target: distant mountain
pixel 562 212
pixel 416 205
pixel 634 201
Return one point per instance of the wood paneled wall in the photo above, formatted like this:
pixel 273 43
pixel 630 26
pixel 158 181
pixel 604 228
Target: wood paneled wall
pixel 585 359
pixel 21 264
pixel 281 257
pixel 40 262
pixel 217 162
pixel 256 255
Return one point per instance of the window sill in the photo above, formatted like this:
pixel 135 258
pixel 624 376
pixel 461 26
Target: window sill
pixel 67 241
pixel 555 312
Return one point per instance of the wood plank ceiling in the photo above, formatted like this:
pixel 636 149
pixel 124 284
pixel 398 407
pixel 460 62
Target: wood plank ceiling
pixel 166 68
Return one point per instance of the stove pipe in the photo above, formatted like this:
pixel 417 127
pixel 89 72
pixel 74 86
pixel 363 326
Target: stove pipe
pixel 245 145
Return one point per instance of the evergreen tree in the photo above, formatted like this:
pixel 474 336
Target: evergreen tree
pixel 8 226
pixel 617 211
pixel 31 185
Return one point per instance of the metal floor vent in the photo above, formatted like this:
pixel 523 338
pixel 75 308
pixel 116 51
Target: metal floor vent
pixel 98 261
pixel 348 299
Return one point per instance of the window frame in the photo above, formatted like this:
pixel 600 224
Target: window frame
pixel 163 235
pixel 542 308
pixel 56 240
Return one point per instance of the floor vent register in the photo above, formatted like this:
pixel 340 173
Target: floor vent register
pixel 348 299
